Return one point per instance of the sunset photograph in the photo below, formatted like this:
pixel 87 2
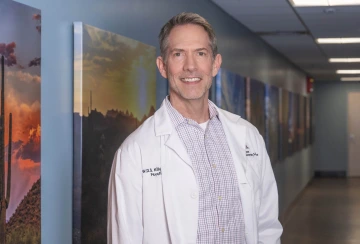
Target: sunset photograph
pixel 114 93
pixel 20 28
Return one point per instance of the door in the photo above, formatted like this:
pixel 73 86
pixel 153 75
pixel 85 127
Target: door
pixel 354 134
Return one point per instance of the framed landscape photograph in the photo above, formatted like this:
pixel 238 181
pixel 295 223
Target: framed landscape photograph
pixel 114 92
pixel 230 92
pixel 301 123
pixel 255 104
pixel 20 125
pixel 272 122
pixel 284 120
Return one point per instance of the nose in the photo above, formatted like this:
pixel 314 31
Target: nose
pixel 190 63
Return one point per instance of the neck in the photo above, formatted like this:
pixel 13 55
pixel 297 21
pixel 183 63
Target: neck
pixel 197 109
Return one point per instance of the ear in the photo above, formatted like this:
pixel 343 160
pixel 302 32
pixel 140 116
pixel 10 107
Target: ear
pixel 161 66
pixel 216 64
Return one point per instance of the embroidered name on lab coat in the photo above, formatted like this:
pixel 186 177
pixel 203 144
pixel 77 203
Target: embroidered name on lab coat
pixel 250 154
pixel 153 171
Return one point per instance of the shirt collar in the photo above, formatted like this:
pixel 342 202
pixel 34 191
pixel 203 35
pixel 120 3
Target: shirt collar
pixel 178 119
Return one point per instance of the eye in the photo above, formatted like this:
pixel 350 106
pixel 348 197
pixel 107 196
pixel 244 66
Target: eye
pixel 202 53
pixel 177 54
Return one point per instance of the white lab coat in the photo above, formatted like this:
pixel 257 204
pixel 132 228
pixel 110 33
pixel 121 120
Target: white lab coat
pixel 153 193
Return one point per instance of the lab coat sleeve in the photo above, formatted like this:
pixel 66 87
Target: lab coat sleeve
pixel 269 226
pixel 125 198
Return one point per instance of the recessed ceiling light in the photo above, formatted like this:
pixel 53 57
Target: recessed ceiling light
pixel 344 60
pixel 343 2
pixel 350 78
pixel 311 3
pixel 304 3
pixel 349 71
pixel 338 40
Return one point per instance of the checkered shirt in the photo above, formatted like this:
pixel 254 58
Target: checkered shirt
pixel 221 219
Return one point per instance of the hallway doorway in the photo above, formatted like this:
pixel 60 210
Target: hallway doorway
pixel 354 134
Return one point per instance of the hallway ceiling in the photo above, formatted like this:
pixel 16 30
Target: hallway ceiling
pixel 293 32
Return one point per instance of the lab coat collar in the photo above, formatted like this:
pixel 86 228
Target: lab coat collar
pixel 163 127
pixel 163 124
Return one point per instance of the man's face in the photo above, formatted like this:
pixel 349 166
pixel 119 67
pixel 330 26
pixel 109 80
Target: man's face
pixel 189 65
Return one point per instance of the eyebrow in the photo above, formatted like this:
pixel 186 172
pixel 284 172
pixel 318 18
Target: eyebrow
pixel 201 49
pixel 182 50
pixel 177 50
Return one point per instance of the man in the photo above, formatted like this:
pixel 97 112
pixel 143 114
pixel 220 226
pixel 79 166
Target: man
pixel 192 173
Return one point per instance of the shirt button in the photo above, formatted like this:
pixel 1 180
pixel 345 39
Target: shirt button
pixel 222 229
pixel 193 195
pixel 214 166
pixel 220 198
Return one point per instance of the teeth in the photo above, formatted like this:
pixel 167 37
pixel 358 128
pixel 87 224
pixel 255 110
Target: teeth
pixel 190 79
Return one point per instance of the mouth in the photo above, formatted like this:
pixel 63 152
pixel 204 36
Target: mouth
pixel 190 79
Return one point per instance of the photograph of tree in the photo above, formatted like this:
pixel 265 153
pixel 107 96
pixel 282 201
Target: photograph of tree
pixel 20 129
pixel 230 92
pixel 114 92
pixel 255 104
pixel 284 120
pixel 272 122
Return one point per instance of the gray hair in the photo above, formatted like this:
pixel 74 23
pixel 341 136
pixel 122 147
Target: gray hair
pixel 183 19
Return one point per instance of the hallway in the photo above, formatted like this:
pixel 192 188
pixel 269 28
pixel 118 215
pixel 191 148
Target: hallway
pixel 327 212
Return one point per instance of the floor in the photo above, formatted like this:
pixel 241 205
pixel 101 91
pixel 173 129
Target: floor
pixel 327 212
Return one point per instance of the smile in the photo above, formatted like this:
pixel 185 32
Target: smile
pixel 194 79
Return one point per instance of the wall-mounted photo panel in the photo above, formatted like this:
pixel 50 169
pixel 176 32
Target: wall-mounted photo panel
pixel 255 104
pixel 284 123
pixel 293 123
pixel 20 128
pixel 272 122
pixel 114 92
pixel 312 122
pixel 307 121
pixel 301 124
pixel 297 123
pixel 230 92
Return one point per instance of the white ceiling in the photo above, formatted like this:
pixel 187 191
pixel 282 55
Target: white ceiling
pixel 292 32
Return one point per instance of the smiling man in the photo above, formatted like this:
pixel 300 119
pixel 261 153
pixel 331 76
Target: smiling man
pixel 185 176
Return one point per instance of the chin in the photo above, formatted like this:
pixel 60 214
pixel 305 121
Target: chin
pixel 193 96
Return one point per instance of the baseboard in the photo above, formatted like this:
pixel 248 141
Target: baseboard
pixel 330 174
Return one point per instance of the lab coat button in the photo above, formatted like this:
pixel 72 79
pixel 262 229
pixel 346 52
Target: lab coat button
pixel 193 195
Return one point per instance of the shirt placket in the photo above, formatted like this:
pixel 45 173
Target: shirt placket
pixel 205 179
pixel 216 169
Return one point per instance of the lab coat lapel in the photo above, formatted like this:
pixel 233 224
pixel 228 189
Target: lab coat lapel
pixel 170 140
pixel 236 138
pixel 175 144
pixel 164 126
